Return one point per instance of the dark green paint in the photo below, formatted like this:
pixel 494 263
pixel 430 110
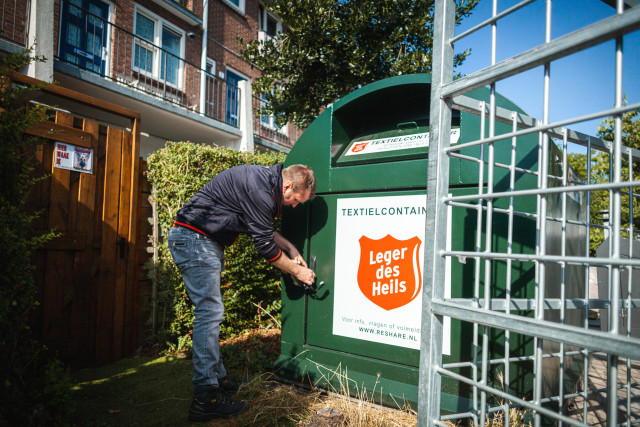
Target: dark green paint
pixel 310 352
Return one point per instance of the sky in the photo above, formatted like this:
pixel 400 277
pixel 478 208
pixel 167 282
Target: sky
pixel 581 83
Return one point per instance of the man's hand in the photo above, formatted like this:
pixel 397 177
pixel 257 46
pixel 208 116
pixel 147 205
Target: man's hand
pixel 297 268
pixel 299 260
pixel 305 275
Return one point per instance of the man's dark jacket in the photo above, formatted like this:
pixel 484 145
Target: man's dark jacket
pixel 242 199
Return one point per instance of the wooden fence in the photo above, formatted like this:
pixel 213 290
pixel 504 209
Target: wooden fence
pixel 87 278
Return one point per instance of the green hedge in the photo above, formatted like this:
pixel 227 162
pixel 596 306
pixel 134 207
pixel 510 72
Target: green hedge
pixel 251 287
pixel 34 387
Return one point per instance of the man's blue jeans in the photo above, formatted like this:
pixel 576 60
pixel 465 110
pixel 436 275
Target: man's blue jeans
pixel 200 261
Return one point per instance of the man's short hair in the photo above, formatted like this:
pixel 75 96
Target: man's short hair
pixel 302 178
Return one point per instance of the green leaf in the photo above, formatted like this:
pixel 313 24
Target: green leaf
pixel 331 47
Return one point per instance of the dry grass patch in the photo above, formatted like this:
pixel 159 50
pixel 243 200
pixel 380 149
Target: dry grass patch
pixel 361 413
pixel 276 404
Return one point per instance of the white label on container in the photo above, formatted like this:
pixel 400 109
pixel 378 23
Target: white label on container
pixel 378 270
pixel 394 143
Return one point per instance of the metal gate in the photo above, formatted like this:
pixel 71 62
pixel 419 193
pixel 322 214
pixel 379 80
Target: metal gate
pixel 566 356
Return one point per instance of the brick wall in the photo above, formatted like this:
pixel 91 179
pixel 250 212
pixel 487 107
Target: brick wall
pixel 226 24
pixel 122 42
pixel 13 25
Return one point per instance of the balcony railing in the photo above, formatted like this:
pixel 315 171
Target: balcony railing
pixel 14 22
pixel 264 126
pixel 92 43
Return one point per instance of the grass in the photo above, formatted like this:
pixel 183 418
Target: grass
pixel 156 391
pixel 141 391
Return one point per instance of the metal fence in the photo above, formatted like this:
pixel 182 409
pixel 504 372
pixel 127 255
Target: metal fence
pixel 15 21
pixel 576 371
pixel 91 42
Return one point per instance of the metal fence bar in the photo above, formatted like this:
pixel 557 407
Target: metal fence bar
pixel 629 287
pixel 550 190
pixel 511 359
pixel 478 264
pixel 572 335
pixel 616 223
pixel 436 220
pixel 541 242
pixel 577 260
pixel 585 367
pixel 522 304
pixel 542 128
pixel 560 333
pixel 594 34
pixel 470 105
pixel 492 20
pixel 519 402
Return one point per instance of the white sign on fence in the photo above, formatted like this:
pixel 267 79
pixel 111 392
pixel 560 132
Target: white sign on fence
pixel 72 157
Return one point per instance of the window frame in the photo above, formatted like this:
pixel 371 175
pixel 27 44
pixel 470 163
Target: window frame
pixel 240 8
pixel 269 121
pixel 238 101
pixel 212 62
pixel 210 103
pixel 263 16
pixel 157 48
pixel 106 57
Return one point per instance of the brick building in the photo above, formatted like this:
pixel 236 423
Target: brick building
pixel 175 62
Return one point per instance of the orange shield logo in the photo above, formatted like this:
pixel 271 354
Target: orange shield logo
pixel 359 147
pixel 389 273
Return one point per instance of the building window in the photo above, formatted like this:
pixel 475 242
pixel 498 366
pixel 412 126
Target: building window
pixel 232 111
pixel 267 120
pixel 170 63
pixel 269 24
pixel 236 4
pixel 145 29
pixel 84 34
pixel 212 85
pixel 158 48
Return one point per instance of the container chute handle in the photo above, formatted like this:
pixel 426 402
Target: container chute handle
pixel 309 288
pixel 312 289
pixel 316 286
pixel 407 125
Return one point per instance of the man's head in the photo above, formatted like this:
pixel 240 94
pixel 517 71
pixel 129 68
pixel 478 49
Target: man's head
pixel 298 185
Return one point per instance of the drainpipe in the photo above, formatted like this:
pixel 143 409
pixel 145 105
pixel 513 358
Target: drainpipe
pixel 246 116
pixel 39 36
pixel 203 59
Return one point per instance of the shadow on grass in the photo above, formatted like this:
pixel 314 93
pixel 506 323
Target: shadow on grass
pixel 141 391
pixel 145 391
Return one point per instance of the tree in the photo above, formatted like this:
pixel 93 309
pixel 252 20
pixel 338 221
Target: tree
pixel 35 388
pixel 331 47
pixel 600 173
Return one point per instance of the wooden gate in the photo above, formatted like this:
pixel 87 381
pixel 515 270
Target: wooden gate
pixel 87 277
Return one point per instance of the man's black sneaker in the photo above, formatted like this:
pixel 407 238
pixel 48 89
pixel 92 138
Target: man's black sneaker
pixel 215 404
pixel 229 385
